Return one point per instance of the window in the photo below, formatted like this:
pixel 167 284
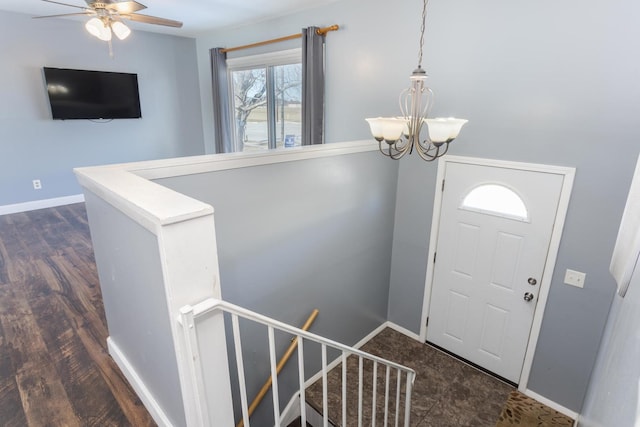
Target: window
pixel 266 93
pixel 497 200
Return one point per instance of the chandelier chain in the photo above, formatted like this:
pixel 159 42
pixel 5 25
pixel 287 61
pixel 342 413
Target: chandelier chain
pixel 422 28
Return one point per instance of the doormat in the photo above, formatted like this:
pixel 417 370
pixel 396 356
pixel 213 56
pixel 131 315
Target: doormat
pixel 521 410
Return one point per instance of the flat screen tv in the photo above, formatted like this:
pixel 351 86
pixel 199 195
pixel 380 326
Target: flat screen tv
pixel 83 94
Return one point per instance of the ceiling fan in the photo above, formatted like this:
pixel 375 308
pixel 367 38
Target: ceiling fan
pixel 107 16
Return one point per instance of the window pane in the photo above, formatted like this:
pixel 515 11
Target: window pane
pixel 250 109
pixel 497 200
pixel 288 105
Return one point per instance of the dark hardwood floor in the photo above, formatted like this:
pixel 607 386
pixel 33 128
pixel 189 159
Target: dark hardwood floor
pixel 54 365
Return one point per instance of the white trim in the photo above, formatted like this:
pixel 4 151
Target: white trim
pixel 403 331
pixel 41 204
pixel 129 187
pixel 433 240
pixel 166 168
pixel 138 385
pixel 551 404
pixel 281 57
pixel 568 174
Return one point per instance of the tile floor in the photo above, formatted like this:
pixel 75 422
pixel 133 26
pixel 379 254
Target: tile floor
pixel 446 392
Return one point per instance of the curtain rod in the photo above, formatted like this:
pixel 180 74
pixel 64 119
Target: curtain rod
pixel 319 31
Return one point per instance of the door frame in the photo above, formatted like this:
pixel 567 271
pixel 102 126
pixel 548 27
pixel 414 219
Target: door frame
pixel 568 174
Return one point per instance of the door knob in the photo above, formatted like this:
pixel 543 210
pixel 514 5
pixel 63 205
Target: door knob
pixel 532 281
pixel 528 296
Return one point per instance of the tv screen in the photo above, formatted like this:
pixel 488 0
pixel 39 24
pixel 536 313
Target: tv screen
pixel 83 94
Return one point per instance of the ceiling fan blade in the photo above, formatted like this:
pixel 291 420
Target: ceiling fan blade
pixel 64 14
pixel 65 4
pixel 124 6
pixel 152 20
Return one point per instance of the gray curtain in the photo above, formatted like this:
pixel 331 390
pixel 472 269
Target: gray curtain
pixel 312 87
pixel 221 108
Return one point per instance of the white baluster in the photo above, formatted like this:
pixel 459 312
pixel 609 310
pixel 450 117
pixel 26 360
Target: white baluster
pixel 386 398
pixel 360 385
pixel 325 399
pixel 375 390
pixel 398 397
pixel 344 389
pixel 303 399
pixel 240 366
pixel 274 377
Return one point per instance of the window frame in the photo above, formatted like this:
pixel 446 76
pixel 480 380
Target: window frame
pixel 266 61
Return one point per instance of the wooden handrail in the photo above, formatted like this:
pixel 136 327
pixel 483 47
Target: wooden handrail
pixel 267 385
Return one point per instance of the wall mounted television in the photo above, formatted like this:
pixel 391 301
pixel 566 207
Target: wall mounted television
pixel 84 94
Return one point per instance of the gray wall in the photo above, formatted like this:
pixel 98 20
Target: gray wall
pixel 543 82
pixel 297 236
pixel 33 146
pixel 132 285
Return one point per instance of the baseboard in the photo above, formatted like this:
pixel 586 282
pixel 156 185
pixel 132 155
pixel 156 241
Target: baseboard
pixel 403 331
pixel 41 204
pixel 551 404
pixel 138 385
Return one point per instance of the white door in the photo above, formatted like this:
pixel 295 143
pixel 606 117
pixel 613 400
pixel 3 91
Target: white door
pixel 493 238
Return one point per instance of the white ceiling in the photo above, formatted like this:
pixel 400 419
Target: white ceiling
pixel 197 15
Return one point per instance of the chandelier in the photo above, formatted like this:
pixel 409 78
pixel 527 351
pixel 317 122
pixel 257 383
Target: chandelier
pixel 403 134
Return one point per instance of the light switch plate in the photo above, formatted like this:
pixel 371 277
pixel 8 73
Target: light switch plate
pixel 574 278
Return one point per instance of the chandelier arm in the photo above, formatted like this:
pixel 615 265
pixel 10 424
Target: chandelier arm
pixel 402 150
pixel 402 145
pixel 403 101
pixel 424 154
pixel 396 154
pixel 446 148
pixel 393 151
pixel 382 149
pixel 427 108
pixel 424 115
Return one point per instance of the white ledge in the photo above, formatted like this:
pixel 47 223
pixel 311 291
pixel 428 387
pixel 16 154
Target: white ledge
pixel 128 186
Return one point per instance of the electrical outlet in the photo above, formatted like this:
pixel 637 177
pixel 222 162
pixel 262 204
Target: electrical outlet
pixel 574 278
pixel 37 185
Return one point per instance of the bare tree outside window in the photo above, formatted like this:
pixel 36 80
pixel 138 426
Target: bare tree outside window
pixel 268 99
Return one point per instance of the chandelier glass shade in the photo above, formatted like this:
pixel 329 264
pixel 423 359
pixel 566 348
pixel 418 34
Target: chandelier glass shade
pixel 404 134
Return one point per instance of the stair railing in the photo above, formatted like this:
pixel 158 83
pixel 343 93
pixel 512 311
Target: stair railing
pixel 188 318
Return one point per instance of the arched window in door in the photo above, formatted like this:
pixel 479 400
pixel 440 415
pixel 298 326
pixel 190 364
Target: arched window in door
pixel 496 199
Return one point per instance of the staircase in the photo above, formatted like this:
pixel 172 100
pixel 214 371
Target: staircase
pixel 363 389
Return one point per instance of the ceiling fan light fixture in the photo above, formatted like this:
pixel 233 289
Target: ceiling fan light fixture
pixel 97 28
pixel 120 30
